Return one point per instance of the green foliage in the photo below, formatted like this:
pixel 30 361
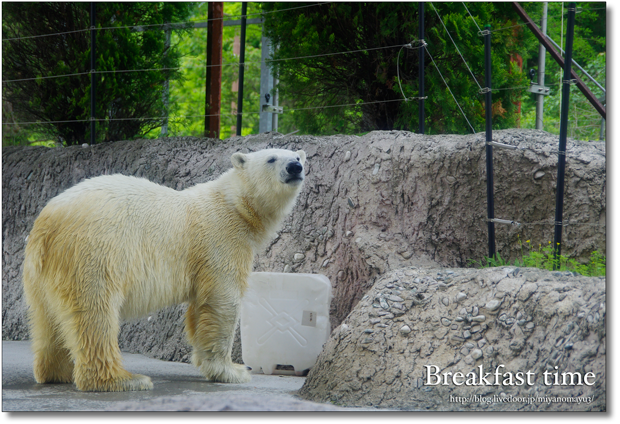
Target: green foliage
pixel 370 75
pixel 308 87
pixel 584 122
pixel 589 51
pixel 442 113
pixel 544 258
pixel 188 94
pixel 130 103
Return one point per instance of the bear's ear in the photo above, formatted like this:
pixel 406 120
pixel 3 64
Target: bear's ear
pixel 239 160
pixel 302 156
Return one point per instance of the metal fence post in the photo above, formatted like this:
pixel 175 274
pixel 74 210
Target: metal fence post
pixel 244 10
pixel 213 92
pixel 566 83
pixel 274 116
pixel 421 53
pixel 93 81
pixel 489 139
pixel 265 121
pixel 540 98
pixel 165 96
pixel 596 103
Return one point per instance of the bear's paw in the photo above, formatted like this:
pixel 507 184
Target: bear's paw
pixel 225 372
pixel 134 382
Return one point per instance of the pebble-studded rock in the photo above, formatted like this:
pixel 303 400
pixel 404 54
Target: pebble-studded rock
pixel 504 320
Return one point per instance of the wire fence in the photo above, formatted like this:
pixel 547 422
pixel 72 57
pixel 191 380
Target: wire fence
pixel 423 44
pixel 411 45
pixel 259 63
pixel 164 25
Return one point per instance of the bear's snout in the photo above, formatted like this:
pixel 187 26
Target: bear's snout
pixel 294 168
pixel 294 173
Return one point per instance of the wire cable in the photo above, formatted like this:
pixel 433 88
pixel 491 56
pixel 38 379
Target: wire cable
pixel 423 44
pixel 472 18
pixel 47 77
pixel 448 87
pixel 347 104
pixel 226 18
pixel 195 116
pixel 210 66
pixel 92 72
pixel 45 35
pixel 457 49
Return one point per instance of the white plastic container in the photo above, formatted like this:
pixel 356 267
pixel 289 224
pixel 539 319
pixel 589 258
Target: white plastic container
pixel 284 320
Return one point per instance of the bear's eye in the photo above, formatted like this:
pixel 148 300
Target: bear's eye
pixel 297 159
pixel 272 160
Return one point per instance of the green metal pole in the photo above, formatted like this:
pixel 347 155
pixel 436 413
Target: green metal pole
pixel 489 137
pixel 566 83
pixel 421 53
pixel 93 80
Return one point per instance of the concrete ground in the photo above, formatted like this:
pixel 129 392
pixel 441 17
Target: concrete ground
pixel 177 387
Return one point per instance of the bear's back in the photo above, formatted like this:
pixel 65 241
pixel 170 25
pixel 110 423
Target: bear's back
pixel 115 208
pixel 132 228
pixel 115 186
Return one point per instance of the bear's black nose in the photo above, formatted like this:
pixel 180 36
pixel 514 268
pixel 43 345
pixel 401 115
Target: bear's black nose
pixel 294 168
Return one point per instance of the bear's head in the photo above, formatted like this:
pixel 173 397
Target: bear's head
pixel 271 173
pixel 272 168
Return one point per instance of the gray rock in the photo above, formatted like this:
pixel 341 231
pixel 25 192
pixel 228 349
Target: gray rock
pixel 33 175
pixel 460 297
pixel 493 305
pixel 383 303
pixel 401 373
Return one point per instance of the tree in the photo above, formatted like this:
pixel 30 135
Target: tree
pixel 373 34
pixel 589 50
pixel 129 104
pixel 188 93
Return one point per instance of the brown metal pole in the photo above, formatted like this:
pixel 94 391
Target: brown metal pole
pixel 244 11
pixel 556 56
pixel 213 98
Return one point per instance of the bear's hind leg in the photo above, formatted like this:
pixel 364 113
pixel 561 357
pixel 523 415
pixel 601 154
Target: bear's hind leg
pixel 52 361
pixel 98 359
pixel 211 333
pixel 191 318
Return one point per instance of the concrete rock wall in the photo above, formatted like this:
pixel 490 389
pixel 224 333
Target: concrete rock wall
pixel 370 204
pixel 404 344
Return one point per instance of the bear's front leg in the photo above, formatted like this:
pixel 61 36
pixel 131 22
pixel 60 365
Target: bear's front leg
pixel 211 330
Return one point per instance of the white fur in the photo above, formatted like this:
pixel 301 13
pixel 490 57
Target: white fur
pixel 117 247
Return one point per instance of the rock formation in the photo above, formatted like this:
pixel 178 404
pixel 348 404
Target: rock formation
pixel 405 343
pixel 370 204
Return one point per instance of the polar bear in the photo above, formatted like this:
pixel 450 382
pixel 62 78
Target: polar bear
pixel 117 247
